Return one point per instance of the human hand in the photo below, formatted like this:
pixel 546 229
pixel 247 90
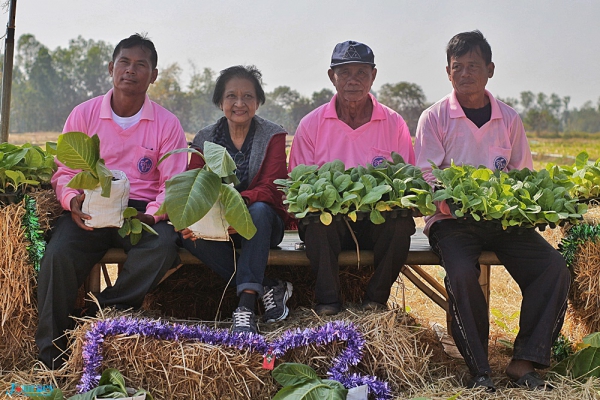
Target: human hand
pixel 187 233
pixel 77 215
pixel 145 218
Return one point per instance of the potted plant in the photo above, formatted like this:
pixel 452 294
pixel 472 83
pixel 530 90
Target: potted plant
pixel 300 381
pixel 106 191
pixel 22 167
pixel 190 196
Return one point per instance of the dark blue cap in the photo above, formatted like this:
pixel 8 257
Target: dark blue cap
pixel 352 52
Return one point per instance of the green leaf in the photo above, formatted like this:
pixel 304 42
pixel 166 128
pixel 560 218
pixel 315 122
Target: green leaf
pixel 78 151
pixel 218 159
pixel 176 151
pixel 593 339
pixel 83 180
pixel 584 363
pixel 136 226
pixel 376 217
pixel 135 238
pixel 105 177
pixel 102 391
pixel 288 374
pixel 190 195
pixel 55 394
pixel 129 212
pixel 236 212
pixel 125 229
pixel 114 377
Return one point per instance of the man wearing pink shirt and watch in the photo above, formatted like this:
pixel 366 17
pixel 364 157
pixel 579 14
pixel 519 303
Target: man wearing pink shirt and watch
pixel 469 126
pixel 134 134
pixel 357 130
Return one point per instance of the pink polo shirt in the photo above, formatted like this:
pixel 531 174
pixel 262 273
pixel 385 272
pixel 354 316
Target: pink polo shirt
pixel 445 134
pixel 321 137
pixel 135 150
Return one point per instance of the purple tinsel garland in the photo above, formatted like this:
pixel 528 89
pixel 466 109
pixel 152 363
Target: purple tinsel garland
pixel 322 335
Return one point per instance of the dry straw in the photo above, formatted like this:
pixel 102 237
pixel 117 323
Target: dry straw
pixel 583 315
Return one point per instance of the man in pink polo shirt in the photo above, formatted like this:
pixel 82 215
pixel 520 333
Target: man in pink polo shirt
pixel 357 130
pixel 134 134
pixel 469 126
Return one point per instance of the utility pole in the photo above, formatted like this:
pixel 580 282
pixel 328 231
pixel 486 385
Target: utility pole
pixel 9 50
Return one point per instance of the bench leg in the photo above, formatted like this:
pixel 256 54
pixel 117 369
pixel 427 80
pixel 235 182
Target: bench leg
pixel 92 282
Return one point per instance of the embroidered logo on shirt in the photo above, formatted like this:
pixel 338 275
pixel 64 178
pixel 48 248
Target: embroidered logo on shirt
pixel 144 165
pixel 351 53
pixel 500 163
pixel 377 160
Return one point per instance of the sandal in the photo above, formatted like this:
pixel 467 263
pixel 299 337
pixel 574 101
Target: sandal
pixel 532 381
pixel 482 381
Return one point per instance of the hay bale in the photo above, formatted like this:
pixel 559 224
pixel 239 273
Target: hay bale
pixel 584 313
pixel 394 352
pixel 18 314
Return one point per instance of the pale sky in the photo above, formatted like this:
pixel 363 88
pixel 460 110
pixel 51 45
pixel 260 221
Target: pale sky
pixel 542 46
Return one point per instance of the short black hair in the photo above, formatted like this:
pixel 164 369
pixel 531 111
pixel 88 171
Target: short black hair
pixel 137 40
pixel 465 42
pixel 249 72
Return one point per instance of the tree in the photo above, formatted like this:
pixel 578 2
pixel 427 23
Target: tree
pixel 407 99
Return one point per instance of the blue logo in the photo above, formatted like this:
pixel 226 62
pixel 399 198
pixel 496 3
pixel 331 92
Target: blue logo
pixel 500 163
pixel 29 390
pixel 377 160
pixel 144 165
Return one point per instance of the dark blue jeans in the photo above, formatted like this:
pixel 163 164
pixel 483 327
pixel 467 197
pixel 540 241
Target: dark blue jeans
pixel 252 262
pixel 539 270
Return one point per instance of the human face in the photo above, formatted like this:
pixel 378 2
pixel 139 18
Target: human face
pixel 132 71
pixel 469 74
pixel 239 102
pixel 353 81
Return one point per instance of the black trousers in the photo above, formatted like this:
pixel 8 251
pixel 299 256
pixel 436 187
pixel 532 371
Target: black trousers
pixel 69 257
pixel 539 270
pixel 389 241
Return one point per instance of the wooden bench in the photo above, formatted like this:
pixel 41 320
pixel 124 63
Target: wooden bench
pixel 287 254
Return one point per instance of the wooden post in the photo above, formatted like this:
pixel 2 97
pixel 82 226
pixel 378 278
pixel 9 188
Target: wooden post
pixel 9 50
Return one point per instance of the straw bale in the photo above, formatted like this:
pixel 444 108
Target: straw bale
pixel 584 296
pixel 394 351
pixel 48 207
pixel 18 315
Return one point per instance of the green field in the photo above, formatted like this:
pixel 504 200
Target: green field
pixel 561 151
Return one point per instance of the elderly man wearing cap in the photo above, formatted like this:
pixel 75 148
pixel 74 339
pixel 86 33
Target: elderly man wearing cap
pixel 354 128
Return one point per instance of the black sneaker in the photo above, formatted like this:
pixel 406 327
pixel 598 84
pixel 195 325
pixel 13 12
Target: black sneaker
pixel 244 320
pixel 483 381
pixel 274 301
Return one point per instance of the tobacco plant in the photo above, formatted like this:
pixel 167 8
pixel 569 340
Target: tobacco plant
pixel 519 198
pixel 332 190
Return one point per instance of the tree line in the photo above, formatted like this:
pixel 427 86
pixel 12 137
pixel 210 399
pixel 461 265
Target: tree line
pixel 47 84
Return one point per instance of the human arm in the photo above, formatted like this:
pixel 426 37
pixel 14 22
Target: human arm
pixel 273 166
pixel 428 145
pixel 520 156
pixel 172 138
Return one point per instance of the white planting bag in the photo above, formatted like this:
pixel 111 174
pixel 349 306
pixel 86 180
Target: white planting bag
pixel 107 211
pixel 213 226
